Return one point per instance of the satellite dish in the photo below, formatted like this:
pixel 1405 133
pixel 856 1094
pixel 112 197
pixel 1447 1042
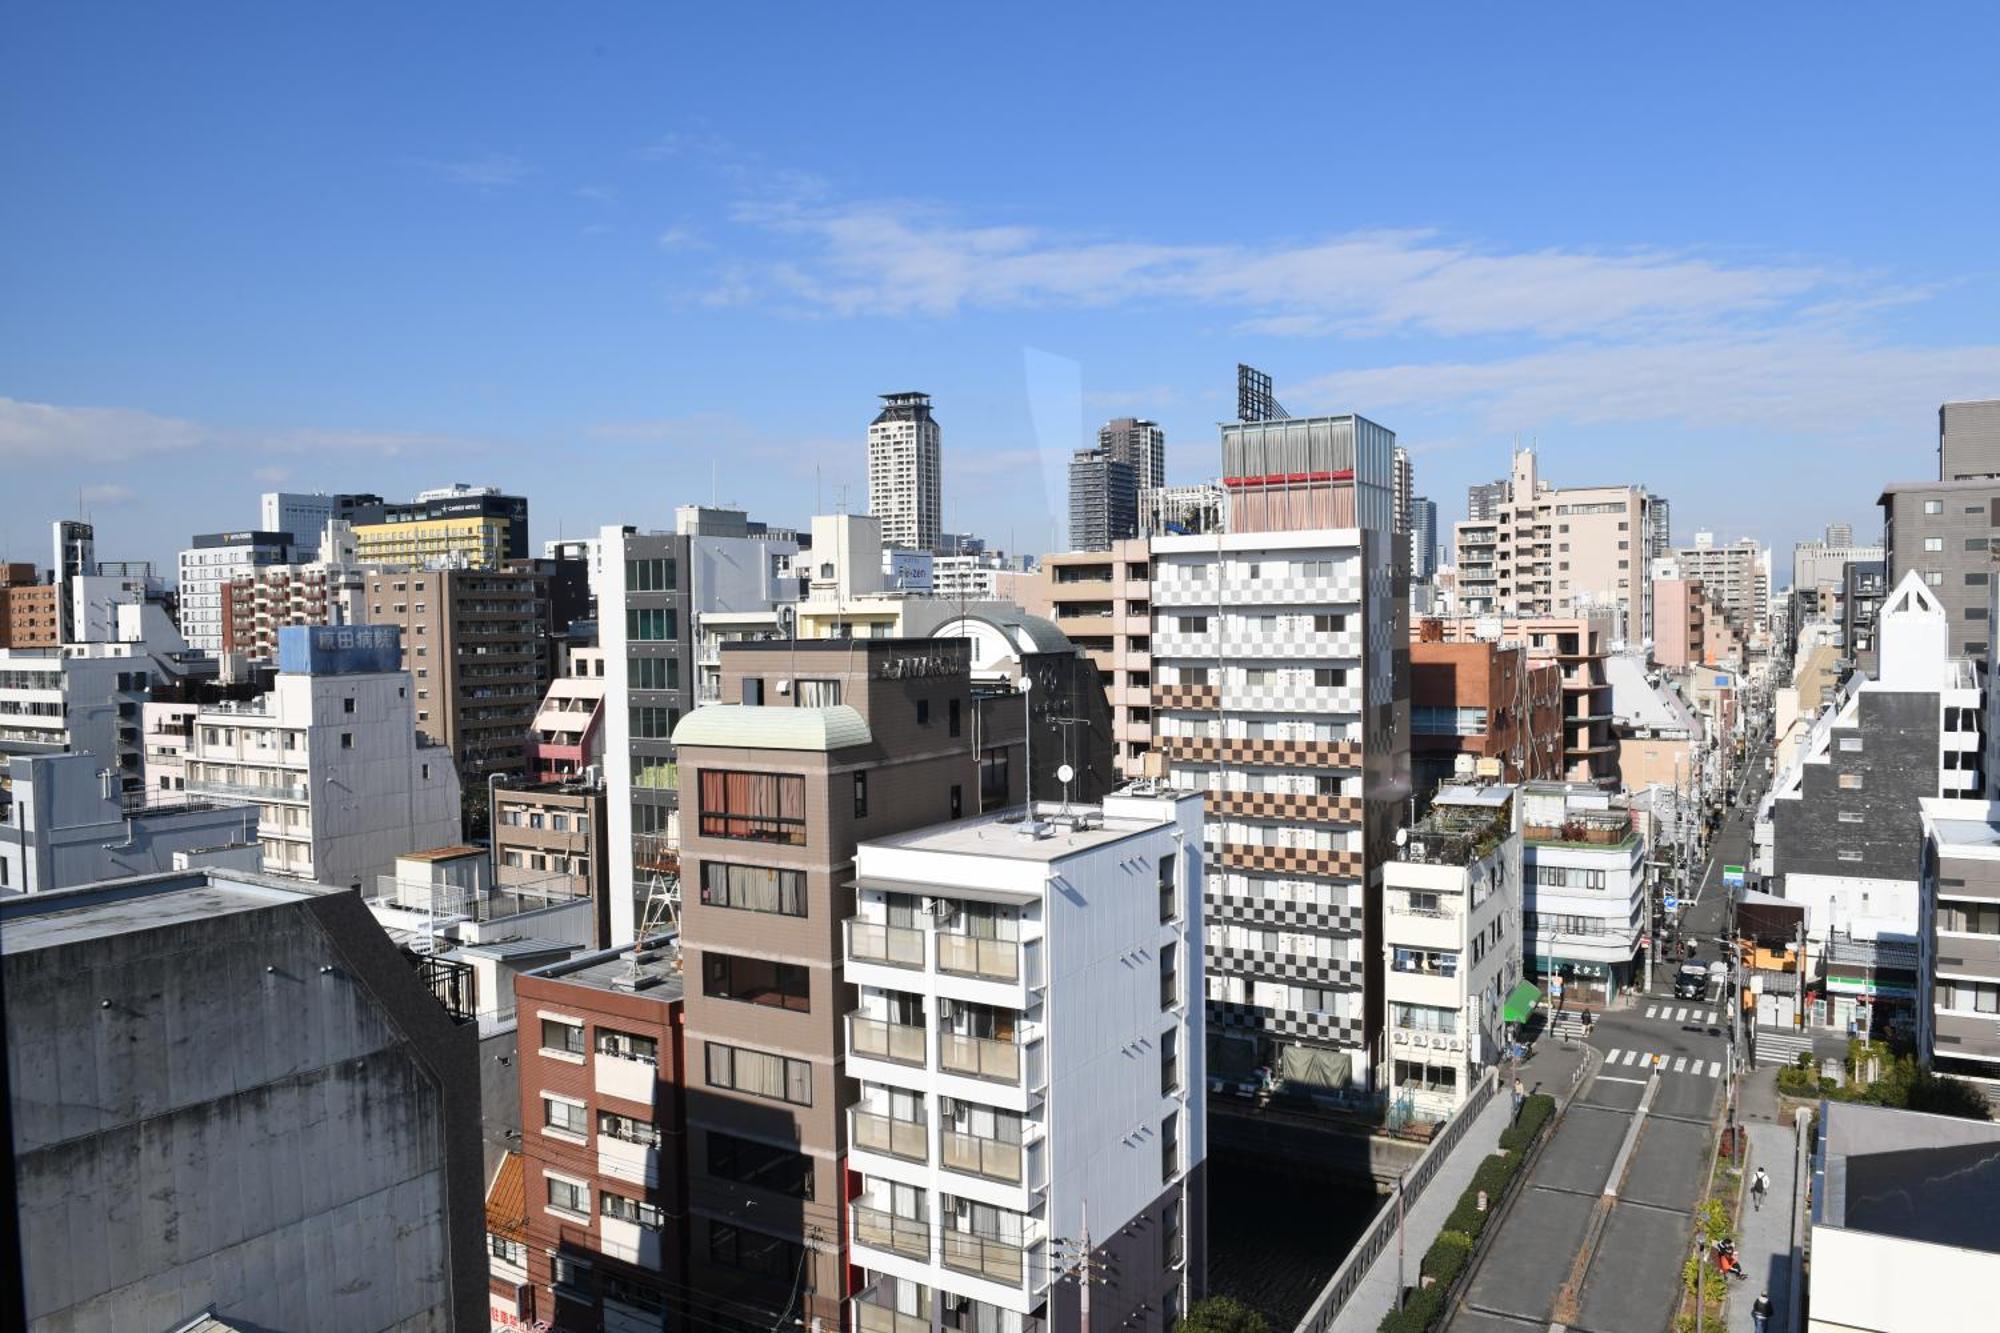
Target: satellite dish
pixel 1064 773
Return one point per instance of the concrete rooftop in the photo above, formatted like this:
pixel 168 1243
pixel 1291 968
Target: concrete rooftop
pixel 146 902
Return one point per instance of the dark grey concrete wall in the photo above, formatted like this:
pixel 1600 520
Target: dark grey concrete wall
pixel 1897 764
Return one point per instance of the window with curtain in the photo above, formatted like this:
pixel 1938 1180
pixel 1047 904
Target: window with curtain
pixel 753 888
pixel 756 807
pixel 759 1074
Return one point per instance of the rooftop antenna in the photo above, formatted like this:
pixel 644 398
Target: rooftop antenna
pixel 1065 773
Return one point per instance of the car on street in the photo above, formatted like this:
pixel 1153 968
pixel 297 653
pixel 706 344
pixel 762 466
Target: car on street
pixel 1691 982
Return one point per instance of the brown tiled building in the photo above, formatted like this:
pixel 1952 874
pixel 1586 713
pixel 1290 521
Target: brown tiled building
pixel 1481 709
pixel 256 606
pixel 603 1134
pixel 1579 645
pixel 775 796
pixel 28 611
pixel 1103 601
pixel 474 643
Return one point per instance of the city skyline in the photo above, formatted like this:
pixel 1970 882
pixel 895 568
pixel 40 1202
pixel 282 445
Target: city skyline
pixel 466 282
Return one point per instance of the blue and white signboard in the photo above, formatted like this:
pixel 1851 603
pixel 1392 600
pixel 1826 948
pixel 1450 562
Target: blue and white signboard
pixel 1671 903
pixel 340 650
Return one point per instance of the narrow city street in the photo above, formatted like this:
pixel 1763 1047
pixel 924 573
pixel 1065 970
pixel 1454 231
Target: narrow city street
pixel 1597 1237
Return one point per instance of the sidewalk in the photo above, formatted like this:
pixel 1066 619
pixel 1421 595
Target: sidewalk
pixel 1764 1242
pixel 1549 1070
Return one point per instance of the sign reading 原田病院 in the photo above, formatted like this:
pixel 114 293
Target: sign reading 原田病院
pixel 338 650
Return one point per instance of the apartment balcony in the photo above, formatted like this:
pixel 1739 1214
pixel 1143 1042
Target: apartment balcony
pixel 871 1316
pixel 875 1229
pixel 1289 806
pixel 988 1159
pixel 986 1257
pixel 1203 698
pixel 878 1039
pixel 1099 625
pixel 1311 861
pixel 908 1140
pixel 984 959
pixel 1265 753
pixel 990 1059
pixel 248 791
pixel 886 945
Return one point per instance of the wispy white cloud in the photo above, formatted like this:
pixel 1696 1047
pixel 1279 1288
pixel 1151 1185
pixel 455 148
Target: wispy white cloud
pixel 53 433
pixel 679 238
pixel 597 194
pixel 487 171
pixel 107 493
pixel 1790 381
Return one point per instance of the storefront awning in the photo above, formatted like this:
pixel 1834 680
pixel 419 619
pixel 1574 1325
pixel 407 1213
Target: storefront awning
pixel 1521 1002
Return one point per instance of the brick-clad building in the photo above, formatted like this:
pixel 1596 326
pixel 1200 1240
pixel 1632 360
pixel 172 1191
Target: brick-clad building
pixel 1487 703
pixel 820 746
pixel 603 1143
pixel 28 612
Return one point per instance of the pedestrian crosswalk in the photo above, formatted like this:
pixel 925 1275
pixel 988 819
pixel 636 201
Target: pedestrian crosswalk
pixel 1685 1013
pixel 1693 1066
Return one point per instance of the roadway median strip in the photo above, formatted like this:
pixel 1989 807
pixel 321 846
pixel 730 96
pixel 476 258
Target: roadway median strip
pixel 1566 1299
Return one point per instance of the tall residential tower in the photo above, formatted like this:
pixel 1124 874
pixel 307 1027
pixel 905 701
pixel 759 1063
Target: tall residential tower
pixel 903 471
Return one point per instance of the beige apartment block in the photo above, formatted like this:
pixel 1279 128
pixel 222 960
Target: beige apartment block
pixel 1103 601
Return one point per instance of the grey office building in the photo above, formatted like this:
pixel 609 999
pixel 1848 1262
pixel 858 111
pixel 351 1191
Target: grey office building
pixel 1103 500
pixel 1863 586
pixel 1969 440
pixel 1423 539
pixel 1943 530
pixel 1141 444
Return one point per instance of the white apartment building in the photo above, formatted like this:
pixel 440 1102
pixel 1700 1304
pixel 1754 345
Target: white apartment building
pixel 1452 939
pixel 65 821
pixel 904 472
pixel 1273 693
pixel 207 567
pixel 1029 1038
pixel 1584 886
pixel 331 758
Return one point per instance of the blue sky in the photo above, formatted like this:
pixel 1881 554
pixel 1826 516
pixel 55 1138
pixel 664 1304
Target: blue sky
pixel 623 257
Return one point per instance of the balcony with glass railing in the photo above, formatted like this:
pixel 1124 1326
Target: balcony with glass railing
pixel 878 1229
pixel 988 1158
pixel 995 1059
pixel 879 1039
pixel 879 942
pixel 974 956
pixel 873 1315
pixel 907 1139
pixel 1005 1262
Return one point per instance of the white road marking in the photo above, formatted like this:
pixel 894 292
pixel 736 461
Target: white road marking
pixel 1614 1078
pixel 1652 1011
pixel 1714 1068
pixel 1680 1064
pixel 1612 1058
pixel 1630 1057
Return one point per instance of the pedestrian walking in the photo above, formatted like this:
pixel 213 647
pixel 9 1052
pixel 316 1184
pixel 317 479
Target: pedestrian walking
pixel 1520 1095
pixel 1760 1185
pixel 1760 1313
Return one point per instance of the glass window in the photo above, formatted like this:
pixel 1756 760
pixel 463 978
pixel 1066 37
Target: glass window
pixel 654 723
pixel 747 1162
pixel 629 1210
pixel 566 1116
pixel 753 888
pixel 627 1130
pixel 560 1036
pixel 655 673
pixel 860 795
pixel 656 575
pixel 759 1074
pixel 756 981
pixel 568 1196
pixel 756 807
pixel 628 1046
pixel 651 624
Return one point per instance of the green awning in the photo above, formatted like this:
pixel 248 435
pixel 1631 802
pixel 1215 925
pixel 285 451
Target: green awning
pixel 1520 1002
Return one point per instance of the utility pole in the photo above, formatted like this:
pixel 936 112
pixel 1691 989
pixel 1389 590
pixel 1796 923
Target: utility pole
pixel 1074 1259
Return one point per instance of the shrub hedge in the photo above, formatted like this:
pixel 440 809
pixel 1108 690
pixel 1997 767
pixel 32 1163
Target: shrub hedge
pixel 1452 1250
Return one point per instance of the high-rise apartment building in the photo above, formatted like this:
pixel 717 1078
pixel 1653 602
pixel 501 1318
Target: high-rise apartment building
pixel 329 590
pixel 1958 940
pixel 1661 515
pixel 1423 539
pixel 270 1079
pixel 820 747
pixel 1481 711
pixel 904 472
pixel 1736 577
pixel 1546 550
pixel 207 568
pixel 1103 500
pixel 1010 983
pixel 30 616
pixel 1942 531
pixel 331 759
pixel 475 645
pixel 460 526
pixel 1402 490
pixel 1580 645
pixel 1278 653
pixel 1969 440
pixel 645 629
pixel 1863 586
pixel 1140 444
pixel 1103 601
